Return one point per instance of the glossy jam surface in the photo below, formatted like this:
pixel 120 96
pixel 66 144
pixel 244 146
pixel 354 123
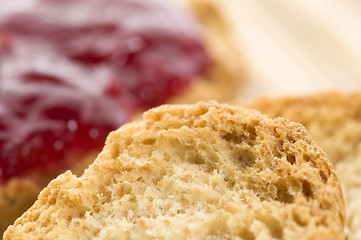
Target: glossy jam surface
pixel 73 70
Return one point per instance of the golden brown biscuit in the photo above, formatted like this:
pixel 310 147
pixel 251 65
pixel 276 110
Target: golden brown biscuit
pixel 334 121
pixel 193 172
pixel 221 82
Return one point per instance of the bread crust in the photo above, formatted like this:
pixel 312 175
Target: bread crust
pixel 221 82
pixel 198 171
pixel 334 121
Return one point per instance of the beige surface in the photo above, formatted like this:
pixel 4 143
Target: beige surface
pixel 294 47
pixel 334 121
pixel 203 171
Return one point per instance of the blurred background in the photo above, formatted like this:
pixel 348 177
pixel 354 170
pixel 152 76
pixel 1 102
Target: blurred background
pixel 296 47
pixel 289 47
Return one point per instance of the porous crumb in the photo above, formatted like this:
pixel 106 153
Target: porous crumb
pixel 203 171
pixel 334 121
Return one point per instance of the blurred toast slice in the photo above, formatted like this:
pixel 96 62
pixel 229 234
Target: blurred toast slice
pixel 226 74
pixel 334 121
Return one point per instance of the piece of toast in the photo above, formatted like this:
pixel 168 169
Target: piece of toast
pixel 334 121
pixel 225 76
pixel 202 171
pixel 222 81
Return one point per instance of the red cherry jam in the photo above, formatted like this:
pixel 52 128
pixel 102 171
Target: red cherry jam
pixel 73 70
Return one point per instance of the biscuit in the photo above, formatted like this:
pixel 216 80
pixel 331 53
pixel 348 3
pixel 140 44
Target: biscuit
pixel 222 80
pixel 334 121
pixel 197 171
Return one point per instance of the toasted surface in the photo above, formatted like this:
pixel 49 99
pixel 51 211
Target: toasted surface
pixel 334 121
pixel 192 172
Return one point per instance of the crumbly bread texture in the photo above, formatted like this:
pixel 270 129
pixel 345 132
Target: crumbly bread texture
pixel 203 171
pixel 222 81
pixel 334 121
pixel 19 193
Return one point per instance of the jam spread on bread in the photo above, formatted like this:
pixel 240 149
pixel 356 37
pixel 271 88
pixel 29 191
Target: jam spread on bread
pixel 73 70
